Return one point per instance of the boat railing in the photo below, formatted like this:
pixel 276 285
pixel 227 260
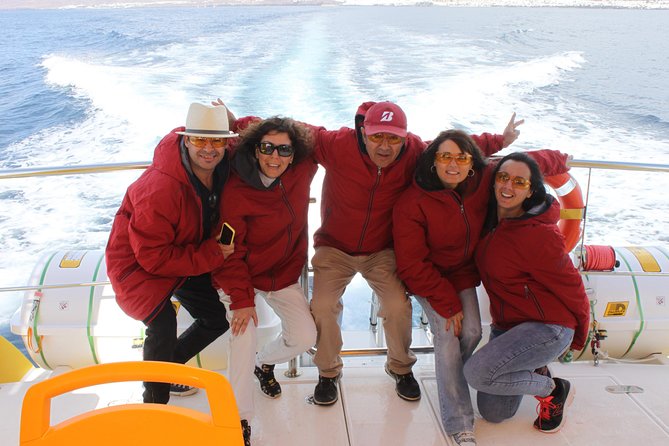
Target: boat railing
pixel 138 165
pixel 619 165
pixel 26 172
pixel 135 165
pixel 79 169
pixel 106 282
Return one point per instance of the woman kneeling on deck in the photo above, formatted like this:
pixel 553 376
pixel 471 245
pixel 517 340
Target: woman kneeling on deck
pixel 538 303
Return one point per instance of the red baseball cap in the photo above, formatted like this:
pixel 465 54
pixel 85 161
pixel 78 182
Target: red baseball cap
pixel 385 117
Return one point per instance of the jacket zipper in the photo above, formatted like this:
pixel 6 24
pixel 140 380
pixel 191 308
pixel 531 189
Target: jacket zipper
pixel 284 197
pixel 369 208
pixel 464 218
pixel 126 274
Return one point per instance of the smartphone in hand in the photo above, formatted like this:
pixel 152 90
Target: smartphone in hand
pixel 227 235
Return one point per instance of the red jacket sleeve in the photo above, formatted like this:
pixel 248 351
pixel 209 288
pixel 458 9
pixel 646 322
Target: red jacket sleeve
pixel 234 277
pixel 488 143
pixel 151 233
pixel 324 143
pixel 551 162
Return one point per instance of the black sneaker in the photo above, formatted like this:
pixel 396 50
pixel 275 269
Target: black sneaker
pixel 182 390
pixel 268 384
pixel 406 385
pixel 552 408
pixel 325 392
pixel 246 432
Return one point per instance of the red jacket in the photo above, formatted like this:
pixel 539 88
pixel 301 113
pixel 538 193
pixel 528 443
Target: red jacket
pixel 358 197
pixel 271 238
pixel 436 233
pixel 529 277
pixel 156 237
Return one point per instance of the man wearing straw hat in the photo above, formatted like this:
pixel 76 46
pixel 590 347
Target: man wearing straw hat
pixel 163 242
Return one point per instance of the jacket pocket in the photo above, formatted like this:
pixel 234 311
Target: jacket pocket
pixel 530 295
pixel 127 273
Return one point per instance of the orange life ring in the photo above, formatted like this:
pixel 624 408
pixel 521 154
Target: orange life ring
pixel 572 208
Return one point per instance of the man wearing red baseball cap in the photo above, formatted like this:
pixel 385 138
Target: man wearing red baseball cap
pixel 384 121
pixel 366 170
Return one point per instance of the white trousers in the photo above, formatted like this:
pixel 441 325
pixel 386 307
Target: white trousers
pixel 298 334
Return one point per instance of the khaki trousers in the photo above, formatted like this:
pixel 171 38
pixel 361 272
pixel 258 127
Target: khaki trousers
pixel 333 271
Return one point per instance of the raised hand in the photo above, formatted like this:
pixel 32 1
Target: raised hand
pixel 511 131
pixel 231 116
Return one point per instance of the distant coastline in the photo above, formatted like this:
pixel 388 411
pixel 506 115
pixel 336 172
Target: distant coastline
pixel 109 4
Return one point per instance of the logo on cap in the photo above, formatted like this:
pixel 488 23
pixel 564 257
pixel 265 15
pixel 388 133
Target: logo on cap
pixel 387 116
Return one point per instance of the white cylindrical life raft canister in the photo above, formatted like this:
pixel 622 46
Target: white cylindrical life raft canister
pixel 83 325
pixel 629 305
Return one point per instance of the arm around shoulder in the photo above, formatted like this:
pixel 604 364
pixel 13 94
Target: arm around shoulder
pixel 551 162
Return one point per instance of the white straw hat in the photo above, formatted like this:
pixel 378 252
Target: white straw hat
pixel 207 121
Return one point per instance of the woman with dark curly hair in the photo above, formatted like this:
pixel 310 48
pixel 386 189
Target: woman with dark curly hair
pixel 436 227
pixel 538 303
pixel 266 202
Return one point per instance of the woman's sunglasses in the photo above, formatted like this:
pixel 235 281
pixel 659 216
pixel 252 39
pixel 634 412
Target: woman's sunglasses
pixel 516 182
pixel 267 148
pixel 447 157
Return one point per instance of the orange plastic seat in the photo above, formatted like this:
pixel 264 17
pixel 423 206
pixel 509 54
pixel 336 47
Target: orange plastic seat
pixel 133 424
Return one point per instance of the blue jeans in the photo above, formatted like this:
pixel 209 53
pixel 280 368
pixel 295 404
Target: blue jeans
pixel 450 353
pixel 503 369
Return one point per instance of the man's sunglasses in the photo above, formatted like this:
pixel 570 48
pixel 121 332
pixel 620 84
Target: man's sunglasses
pixel 379 137
pixel 267 148
pixel 201 142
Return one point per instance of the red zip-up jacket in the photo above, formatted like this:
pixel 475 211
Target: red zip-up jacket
pixel 156 239
pixel 529 277
pixel 358 197
pixel 436 233
pixel 271 237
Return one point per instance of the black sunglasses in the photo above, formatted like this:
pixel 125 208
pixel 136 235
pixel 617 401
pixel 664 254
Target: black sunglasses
pixel 267 148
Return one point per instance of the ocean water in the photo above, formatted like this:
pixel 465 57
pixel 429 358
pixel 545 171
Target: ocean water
pixel 84 86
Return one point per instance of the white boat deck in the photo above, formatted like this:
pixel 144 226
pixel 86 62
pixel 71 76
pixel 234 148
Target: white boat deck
pixel 369 412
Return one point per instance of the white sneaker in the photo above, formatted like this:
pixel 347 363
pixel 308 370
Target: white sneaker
pixel 465 438
pixel 182 390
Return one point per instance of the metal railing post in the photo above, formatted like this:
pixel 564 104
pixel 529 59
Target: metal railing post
pixel 293 371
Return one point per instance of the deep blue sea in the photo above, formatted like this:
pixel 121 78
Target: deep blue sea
pixel 84 86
